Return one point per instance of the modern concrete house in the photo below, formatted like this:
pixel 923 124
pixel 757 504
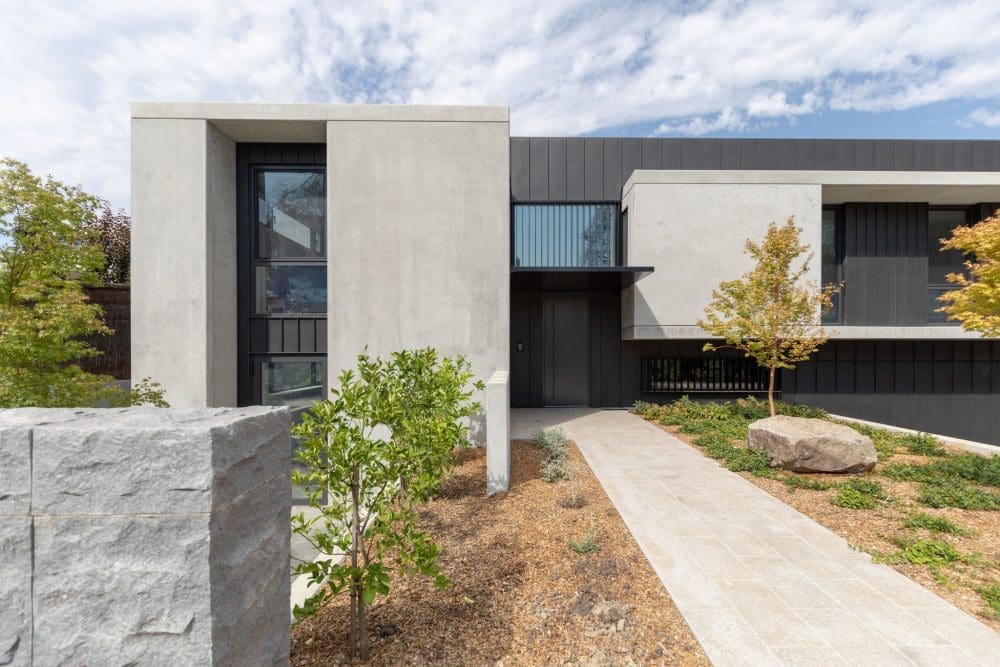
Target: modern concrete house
pixel 272 243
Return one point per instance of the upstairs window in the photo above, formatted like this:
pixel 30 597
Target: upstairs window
pixel 566 235
pixel 940 223
pixel 289 246
pixel 832 260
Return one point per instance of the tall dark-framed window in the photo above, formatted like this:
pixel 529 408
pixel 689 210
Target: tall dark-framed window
pixel 940 223
pixel 832 259
pixel 289 241
pixel 565 235
pixel 282 250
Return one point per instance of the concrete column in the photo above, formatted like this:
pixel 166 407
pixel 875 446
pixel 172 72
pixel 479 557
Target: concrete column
pixel 184 260
pixel 144 536
pixel 498 433
pixel 419 255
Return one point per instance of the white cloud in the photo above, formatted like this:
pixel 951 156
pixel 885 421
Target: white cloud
pixel 70 69
pixel 728 120
pixel 982 116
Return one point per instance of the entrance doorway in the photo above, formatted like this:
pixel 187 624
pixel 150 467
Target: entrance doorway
pixel 566 327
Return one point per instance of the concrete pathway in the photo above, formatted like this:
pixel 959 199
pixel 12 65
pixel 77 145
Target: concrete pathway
pixel 758 582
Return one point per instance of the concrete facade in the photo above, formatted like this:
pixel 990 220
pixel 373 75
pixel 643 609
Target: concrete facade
pixel 148 536
pixel 418 218
pixel 184 260
pixel 693 234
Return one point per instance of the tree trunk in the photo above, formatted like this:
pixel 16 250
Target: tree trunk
pixel 770 390
pixel 358 635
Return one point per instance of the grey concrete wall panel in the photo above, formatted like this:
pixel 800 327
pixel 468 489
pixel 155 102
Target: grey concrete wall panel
pixel 154 537
pixel 604 162
pixel 183 224
pixel 423 240
pixel 689 266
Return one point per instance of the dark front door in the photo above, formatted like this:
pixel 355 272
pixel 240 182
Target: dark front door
pixel 566 323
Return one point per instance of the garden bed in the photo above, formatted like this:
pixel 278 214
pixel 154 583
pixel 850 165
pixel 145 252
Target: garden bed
pixel 929 510
pixel 520 594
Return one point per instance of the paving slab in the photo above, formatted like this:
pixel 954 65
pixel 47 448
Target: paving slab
pixel 758 582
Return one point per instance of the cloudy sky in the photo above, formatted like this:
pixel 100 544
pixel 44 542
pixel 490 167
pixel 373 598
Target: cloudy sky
pixel 805 68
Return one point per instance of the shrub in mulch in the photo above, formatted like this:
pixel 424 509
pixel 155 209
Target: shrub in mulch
pixel 521 595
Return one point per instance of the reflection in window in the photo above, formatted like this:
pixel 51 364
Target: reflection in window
pixel 296 384
pixel 291 214
pixel 831 264
pixel 940 223
pixel 290 289
pixel 565 235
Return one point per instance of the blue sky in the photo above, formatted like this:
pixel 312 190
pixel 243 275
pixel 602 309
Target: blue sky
pixel 767 68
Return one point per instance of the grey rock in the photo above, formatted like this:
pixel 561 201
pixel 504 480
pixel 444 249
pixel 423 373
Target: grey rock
pixel 122 589
pixel 15 453
pixel 15 590
pixel 15 471
pixel 159 536
pixel 812 445
pixel 149 460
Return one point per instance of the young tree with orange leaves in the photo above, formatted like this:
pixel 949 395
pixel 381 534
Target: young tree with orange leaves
pixel 976 302
pixel 771 314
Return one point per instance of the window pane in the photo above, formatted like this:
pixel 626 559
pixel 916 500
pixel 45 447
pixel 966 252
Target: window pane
pixel 829 273
pixel 281 289
pixel 933 304
pixel 291 214
pixel 296 384
pixel 565 235
pixel 942 262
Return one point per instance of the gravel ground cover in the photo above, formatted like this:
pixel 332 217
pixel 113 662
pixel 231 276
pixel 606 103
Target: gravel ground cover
pixel 547 574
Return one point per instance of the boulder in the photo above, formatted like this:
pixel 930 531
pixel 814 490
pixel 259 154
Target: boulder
pixel 812 445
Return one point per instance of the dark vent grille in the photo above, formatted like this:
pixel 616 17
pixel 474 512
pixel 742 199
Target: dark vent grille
pixel 678 375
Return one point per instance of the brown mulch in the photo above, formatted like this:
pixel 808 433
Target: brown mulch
pixel 520 595
pixel 878 531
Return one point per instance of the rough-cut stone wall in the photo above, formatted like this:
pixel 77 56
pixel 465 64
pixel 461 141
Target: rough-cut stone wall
pixel 144 536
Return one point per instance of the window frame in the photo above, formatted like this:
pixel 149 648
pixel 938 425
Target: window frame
pixel 617 259
pixel 933 247
pixel 840 252
pixel 254 240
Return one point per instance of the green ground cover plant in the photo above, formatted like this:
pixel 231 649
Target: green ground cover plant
pixel 937 524
pixel 552 441
pixel 991 594
pixel 956 493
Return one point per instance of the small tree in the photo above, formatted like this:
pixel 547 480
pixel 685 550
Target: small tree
pixel 976 302
pixel 48 251
pixel 379 447
pixel 771 314
pixel 113 233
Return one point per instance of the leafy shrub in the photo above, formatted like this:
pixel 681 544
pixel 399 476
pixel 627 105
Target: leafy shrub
pixel 937 524
pixel 923 444
pixel 379 448
pixel 908 472
pixel 794 482
pixel 929 552
pixel 956 493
